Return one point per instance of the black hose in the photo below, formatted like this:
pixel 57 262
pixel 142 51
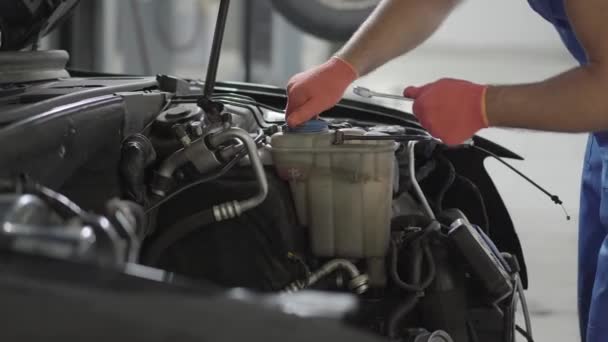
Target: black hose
pixel 485 226
pixel 430 276
pixel 451 178
pixel 425 256
pixel 399 314
pixel 176 232
pixel 430 259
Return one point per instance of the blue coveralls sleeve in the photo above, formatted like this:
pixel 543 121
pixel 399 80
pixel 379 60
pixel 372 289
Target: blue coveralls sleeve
pixel 593 220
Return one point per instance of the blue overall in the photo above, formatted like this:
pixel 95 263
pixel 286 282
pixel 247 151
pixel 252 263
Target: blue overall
pixel 593 220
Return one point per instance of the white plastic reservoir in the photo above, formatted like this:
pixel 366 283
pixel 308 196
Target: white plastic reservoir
pixel 342 192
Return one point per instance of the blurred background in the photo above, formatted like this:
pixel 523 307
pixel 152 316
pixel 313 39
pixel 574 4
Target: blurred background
pixel 487 41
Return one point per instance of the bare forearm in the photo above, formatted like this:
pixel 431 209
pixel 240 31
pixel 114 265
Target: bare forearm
pixel 395 28
pixel 576 101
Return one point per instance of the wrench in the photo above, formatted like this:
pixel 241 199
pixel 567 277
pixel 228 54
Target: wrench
pixel 367 93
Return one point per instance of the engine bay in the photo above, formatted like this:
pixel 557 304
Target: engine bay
pixel 360 216
pixel 220 190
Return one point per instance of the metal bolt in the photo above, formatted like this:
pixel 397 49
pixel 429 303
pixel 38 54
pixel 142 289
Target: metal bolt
pixel 62 151
pixel 359 284
pixel 196 128
pixel 182 135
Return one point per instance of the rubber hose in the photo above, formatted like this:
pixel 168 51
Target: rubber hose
pixel 399 314
pixel 176 232
pixel 448 183
pixel 430 261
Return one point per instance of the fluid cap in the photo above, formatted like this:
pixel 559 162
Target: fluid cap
pixel 312 126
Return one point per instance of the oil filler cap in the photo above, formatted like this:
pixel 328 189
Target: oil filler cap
pixel 312 126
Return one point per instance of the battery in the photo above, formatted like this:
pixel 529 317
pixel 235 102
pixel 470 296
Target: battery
pixel 486 265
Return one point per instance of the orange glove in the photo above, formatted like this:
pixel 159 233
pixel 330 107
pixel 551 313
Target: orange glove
pixel 451 110
pixel 315 91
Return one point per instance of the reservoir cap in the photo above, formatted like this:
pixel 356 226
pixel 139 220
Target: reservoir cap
pixel 312 126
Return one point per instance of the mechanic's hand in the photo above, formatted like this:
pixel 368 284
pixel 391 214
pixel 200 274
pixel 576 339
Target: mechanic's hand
pixel 314 91
pixel 451 110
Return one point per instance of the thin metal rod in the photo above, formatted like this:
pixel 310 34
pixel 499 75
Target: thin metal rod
pixel 412 160
pixel 216 48
pixel 524 305
pixel 248 39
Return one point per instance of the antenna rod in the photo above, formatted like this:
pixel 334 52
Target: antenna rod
pixel 216 48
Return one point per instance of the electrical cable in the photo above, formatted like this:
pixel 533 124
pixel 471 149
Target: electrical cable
pixel 509 317
pixel 217 213
pixel 524 333
pixel 553 197
pixel 412 161
pixel 485 226
pixel 165 107
pixel 209 178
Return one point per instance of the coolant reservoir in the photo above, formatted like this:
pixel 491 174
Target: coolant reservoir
pixel 342 192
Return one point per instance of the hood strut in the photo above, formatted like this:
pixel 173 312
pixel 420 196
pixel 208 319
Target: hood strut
pixel 213 109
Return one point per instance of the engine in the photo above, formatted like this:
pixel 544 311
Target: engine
pixel 335 205
pixel 220 190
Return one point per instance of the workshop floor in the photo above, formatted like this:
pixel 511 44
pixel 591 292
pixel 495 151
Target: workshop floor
pixel 554 160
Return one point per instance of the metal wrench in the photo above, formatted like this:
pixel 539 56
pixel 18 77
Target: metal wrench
pixel 367 93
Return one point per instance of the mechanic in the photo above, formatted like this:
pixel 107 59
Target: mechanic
pixel 454 110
